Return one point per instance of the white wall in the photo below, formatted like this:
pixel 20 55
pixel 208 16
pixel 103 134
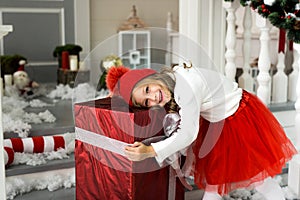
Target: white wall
pixel 107 15
pixel 82 25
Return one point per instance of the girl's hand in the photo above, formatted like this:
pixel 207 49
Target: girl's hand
pixel 138 151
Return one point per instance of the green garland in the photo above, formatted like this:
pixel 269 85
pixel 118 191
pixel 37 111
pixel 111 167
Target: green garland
pixel 73 49
pixel 284 14
pixel 10 63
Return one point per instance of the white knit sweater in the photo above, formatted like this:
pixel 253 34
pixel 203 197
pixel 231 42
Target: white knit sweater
pixel 198 92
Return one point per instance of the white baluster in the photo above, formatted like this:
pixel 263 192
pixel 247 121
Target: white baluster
pixel 230 41
pixel 280 82
pixel 245 80
pixel 263 78
pixel 292 96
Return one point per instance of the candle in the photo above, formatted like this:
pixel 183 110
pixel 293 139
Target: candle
pixel 73 62
pixel 65 60
pixel 281 45
pixel 8 79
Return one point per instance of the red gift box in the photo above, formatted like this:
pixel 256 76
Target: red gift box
pixel 103 128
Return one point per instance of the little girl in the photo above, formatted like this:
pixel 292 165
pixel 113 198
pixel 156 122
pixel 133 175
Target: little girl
pixel 236 141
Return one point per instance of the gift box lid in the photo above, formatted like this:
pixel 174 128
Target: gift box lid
pixel 113 118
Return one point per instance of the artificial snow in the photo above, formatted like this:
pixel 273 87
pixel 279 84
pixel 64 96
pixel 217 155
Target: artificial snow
pixel 51 180
pixel 244 194
pixel 47 116
pixel 15 125
pixel 36 103
pixel 35 159
pixel 83 92
pixel 288 193
pixel 17 120
pixel 62 92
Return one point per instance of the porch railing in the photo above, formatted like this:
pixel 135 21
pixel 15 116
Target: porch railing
pixel 272 88
pixel 271 85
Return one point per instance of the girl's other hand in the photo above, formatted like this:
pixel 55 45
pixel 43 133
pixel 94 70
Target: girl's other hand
pixel 138 151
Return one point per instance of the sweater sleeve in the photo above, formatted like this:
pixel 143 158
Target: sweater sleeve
pixel 189 124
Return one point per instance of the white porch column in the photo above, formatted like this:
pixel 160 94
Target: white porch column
pixel 294 166
pixel 294 175
pixel 230 41
pixel 194 23
pixel 189 19
pixel 264 63
pixel 4 30
pixel 297 104
pixel 245 80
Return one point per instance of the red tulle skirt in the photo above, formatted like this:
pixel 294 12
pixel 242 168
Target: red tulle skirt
pixel 250 146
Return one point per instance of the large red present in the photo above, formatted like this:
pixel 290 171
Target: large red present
pixel 103 128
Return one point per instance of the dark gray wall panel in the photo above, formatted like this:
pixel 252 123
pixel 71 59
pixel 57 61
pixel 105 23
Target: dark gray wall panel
pixel 35 35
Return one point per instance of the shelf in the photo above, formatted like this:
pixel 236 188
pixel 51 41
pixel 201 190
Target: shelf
pixel 5 29
pixel 134 48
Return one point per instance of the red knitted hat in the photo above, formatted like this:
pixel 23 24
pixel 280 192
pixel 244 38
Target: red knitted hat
pixel 121 80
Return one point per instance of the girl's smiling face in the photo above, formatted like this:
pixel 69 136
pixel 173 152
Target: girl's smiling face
pixel 152 94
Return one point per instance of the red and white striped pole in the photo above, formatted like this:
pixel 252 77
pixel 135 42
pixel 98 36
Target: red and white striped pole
pixel 38 144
